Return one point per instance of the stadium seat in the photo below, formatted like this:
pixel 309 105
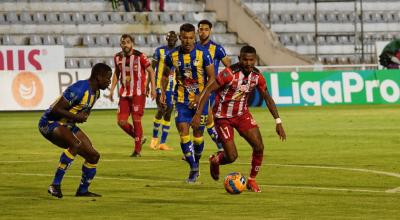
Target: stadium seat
pixel 331 40
pixel 35 40
pixel 52 18
pixel 388 17
pixel 286 18
pixel 101 41
pixel 116 17
pixel 177 17
pixel 8 40
pixel 114 40
pixel 309 39
pixel 88 41
pixel 285 39
pixel 152 40
pixel 128 17
pixel 71 63
pixel 91 18
pixel 163 40
pixel 110 62
pixel 77 18
pixel 189 17
pixel 321 40
pixel 275 18
pixel 26 18
pixel 65 18
pixel 61 40
pixel 309 17
pixel 165 18
pixel 343 17
pixel 343 39
pixel 297 39
pixel 331 18
pixel 104 18
pixel 84 63
pixel 48 40
pixel 153 18
pixel 39 18
pixel 12 17
pixel 139 40
pixel 298 17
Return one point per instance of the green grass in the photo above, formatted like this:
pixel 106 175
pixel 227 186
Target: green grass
pixel 343 138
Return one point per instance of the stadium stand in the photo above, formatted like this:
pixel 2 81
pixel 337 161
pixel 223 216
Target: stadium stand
pixel 90 30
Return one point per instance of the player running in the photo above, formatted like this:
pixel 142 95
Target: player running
pixel 193 68
pixel 58 125
pixel 233 86
pixel 131 68
pixel 218 55
pixel 163 116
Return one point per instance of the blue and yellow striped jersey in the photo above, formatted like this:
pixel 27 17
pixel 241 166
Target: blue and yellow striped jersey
pixel 190 73
pixel 80 98
pixel 216 51
pixel 159 57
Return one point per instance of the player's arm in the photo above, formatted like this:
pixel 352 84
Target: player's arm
pixel 226 61
pixel 164 83
pixel 272 108
pixel 61 109
pixel 114 81
pixel 152 77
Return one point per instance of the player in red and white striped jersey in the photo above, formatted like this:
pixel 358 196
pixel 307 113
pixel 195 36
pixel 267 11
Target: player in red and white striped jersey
pixel 131 69
pixel 233 86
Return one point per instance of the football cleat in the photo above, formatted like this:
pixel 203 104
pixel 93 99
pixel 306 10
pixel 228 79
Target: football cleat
pixel 144 139
pixel 134 154
pixel 165 147
pixel 55 190
pixel 193 176
pixel 252 185
pixel 214 167
pixel 153 143
pixel 87 194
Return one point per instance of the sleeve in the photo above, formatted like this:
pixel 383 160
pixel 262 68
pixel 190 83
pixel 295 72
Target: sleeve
pixel 168 61
pixel 262 84
pixel 220 53
pixel 144 61
pixel 224 77
pixel 156 55
pixel 207 60
pixel 72 94
pixel 116 59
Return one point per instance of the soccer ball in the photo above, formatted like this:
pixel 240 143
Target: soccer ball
pixel 235 183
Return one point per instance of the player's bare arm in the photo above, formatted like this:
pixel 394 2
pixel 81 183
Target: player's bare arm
pixel 114 81
pixel 211 86
pixel 274 111
pixel 152 77
pixel 226 61
pixel 61 109
pixel 164 83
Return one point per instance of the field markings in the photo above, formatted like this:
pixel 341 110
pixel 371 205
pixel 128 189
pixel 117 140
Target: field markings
pixel 395 190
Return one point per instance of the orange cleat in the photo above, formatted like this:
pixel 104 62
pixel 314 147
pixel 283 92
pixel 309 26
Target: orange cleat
pixel 164 147
pixel 252 185
pixel 153 143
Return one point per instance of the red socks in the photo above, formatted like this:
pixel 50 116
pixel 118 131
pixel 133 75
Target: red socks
pixel 255 164
pixel 138 134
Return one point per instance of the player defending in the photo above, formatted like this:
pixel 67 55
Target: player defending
pixel 218 55
pixel 193 68
pixel 233 86
pixel 163 116
pixel 58 125
pixel 130 69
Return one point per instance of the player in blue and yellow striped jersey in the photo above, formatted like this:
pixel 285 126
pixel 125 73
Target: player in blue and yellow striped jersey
pixel 194 68
pixel 163 116
pixel 218 55
pixel 58 125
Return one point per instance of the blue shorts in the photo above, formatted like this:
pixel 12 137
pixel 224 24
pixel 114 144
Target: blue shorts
pixel 212 99
pixel 184 114
pixel 47 127
pixel 169 98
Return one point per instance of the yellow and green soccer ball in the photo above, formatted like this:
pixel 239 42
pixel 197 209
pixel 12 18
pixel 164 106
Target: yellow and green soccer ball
pixel 235 183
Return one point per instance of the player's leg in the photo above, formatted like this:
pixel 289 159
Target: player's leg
pixel 229 154
pixel 64 138
pixel 124 110
pixel 182 122
pixel 157 122
pixel 249 130
pixel 138 104
pixel 166 123
pixel 91 157
pixel 210 124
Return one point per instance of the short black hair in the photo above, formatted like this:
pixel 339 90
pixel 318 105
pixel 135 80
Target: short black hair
pixel 99 69
pixel 124 36
pixel 187 27
pixel 207 22
pixel 248 49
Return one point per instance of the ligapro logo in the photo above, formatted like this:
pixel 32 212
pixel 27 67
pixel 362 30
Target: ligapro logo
pixel 336 91
pixel 27 89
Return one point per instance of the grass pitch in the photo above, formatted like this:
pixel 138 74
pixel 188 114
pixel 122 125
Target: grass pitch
pixel 340 162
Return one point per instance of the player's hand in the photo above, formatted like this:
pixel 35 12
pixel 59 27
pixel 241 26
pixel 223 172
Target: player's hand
pixel 280 132
pixel 193 104
pixel 81 117
pixel 147 91
pixel 196 121
pixel 153 94
pixel 109 96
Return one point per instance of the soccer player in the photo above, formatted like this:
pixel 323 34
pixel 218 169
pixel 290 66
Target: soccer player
pixel 58 125
pixel 163 116
pixel 193 69
pixel 130 69
pixel 218 55
pixel 233 86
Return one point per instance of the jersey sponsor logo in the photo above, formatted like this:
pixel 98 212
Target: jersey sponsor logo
pixel 195 62
pixel 27 89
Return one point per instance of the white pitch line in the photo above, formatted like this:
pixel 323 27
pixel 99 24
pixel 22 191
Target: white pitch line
pixel 395 190
pixel 177 181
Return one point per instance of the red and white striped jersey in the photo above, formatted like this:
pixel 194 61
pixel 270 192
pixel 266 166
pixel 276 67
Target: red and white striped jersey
pixel 231 98
pixel 132 71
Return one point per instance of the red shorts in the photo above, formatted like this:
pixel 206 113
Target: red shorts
pixel 224 126
pixel 131 105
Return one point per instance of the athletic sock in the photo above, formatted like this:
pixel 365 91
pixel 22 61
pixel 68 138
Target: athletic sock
pixel 214 136
pixel 156 126
pixel 88 173
pixel 165 130
pixel 255 164
pixel 198 143
pixel 187 150
pixel 66 159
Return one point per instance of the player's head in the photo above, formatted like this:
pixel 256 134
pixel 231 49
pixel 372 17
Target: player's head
pixel 187 36
pixel 172 38
pixel 204 29
pixel 101 75
pixel 126 43
pixel 248 57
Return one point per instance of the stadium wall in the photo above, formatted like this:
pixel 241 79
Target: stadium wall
pixel 251 30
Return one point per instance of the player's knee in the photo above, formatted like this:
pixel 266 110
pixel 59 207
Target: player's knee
pixel 231 157
pixel 94 157
pixel 259 148
pixel 122 123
